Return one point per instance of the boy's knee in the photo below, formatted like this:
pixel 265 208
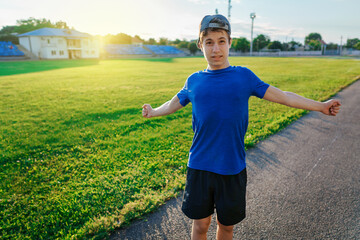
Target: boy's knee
pixel 224 228
pixel 201 226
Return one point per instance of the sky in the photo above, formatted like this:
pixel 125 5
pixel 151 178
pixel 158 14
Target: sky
pixel 282 20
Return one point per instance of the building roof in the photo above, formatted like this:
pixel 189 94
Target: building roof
pixel 68 33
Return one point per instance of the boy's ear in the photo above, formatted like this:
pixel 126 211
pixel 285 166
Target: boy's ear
pixel 199 45
pixel 230 42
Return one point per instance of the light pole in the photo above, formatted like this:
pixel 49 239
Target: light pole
pixel 252 16
pixel 341 46
pixel 229 10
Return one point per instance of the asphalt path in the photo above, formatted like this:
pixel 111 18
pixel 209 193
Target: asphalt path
pixel 303 183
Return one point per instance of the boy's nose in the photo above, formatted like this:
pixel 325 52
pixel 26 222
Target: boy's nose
pixel 216 47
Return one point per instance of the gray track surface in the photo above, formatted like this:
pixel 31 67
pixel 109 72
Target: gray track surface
pixel 303 183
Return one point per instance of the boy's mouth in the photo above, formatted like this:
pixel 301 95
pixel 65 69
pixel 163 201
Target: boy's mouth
pixel 216 57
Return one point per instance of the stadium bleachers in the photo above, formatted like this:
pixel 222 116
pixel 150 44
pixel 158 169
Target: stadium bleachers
pixel 125 49
pixel 163 50
pixel 128 49
pixel 8 49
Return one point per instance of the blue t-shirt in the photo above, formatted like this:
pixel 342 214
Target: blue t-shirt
pixel 220 117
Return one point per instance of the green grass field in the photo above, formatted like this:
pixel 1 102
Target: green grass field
pixel 77 159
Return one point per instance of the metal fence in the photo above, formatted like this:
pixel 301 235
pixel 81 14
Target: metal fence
pixel 344 52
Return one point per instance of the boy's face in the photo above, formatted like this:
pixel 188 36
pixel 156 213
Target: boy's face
pixel 215 47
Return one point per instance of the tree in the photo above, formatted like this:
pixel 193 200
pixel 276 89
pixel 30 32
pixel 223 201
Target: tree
pixel 275 45
pixel 31 24
pixel 260 42
pixel 8 33
pixel 123 38
pixel 357 46
pixel 163 41
pixel 183 44
pixel 350 43
pixel 241 44
pixel 176 42
pixel 312 36
pixel 292 46
pixel 193 48
pixel 315 45
pixel 285 46
pixel 9 38
pixel 120 38
pixel 313 40
pixel 151 41
pixel 137 39
pixel 61 25
pixel 7 30
pixel 331 46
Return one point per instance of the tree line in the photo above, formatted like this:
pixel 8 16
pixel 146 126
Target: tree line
pixel 8 33
pixel 261 42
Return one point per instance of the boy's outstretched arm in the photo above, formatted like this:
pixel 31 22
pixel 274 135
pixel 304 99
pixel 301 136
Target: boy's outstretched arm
pixel 290 99
pixel 167 108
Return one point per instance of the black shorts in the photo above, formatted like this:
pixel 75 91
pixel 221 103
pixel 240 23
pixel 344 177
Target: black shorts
pixel 205 191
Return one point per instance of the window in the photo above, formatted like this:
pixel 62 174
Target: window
pixel 53 52
pixel 61 52
pixel 48 41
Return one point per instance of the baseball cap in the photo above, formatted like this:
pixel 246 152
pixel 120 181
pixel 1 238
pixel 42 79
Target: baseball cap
pixel 208 22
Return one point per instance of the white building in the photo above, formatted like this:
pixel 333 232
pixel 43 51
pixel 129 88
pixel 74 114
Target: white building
pixel 52 43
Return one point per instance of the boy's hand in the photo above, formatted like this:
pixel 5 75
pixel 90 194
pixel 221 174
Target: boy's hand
pixel 147 110
pixel 331 107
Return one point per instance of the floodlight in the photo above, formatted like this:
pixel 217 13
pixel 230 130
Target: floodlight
pixel 252 16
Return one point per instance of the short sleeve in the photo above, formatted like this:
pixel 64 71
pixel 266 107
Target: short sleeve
pixel 183 94
pixel 258 87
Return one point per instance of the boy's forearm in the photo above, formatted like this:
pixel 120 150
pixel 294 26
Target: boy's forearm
pixel 291 99
pixel 163 110
pixel 297 101
pixel 167 108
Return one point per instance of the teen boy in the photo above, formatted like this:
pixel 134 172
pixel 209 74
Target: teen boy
pixel 216 174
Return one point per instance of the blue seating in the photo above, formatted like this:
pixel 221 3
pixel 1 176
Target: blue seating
pixel 8 49
pixel 125 49
pixel 128 49
pixel 162 49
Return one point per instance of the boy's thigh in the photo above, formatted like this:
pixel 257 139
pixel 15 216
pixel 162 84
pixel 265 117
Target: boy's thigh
pixel 230 198
pixel 198 200
pixel 205 191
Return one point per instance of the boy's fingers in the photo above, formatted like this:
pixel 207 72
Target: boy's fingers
pixel 144 111
pixel 336 104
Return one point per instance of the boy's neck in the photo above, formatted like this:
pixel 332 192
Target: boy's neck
pixel 213 68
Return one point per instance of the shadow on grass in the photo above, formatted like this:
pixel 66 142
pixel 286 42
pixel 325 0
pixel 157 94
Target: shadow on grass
pixel 92 119
pixel 12 68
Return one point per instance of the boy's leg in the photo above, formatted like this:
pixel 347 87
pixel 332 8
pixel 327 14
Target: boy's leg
pixel 230 198
pixel 200 228
pixel 224 232
pixel 198 201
